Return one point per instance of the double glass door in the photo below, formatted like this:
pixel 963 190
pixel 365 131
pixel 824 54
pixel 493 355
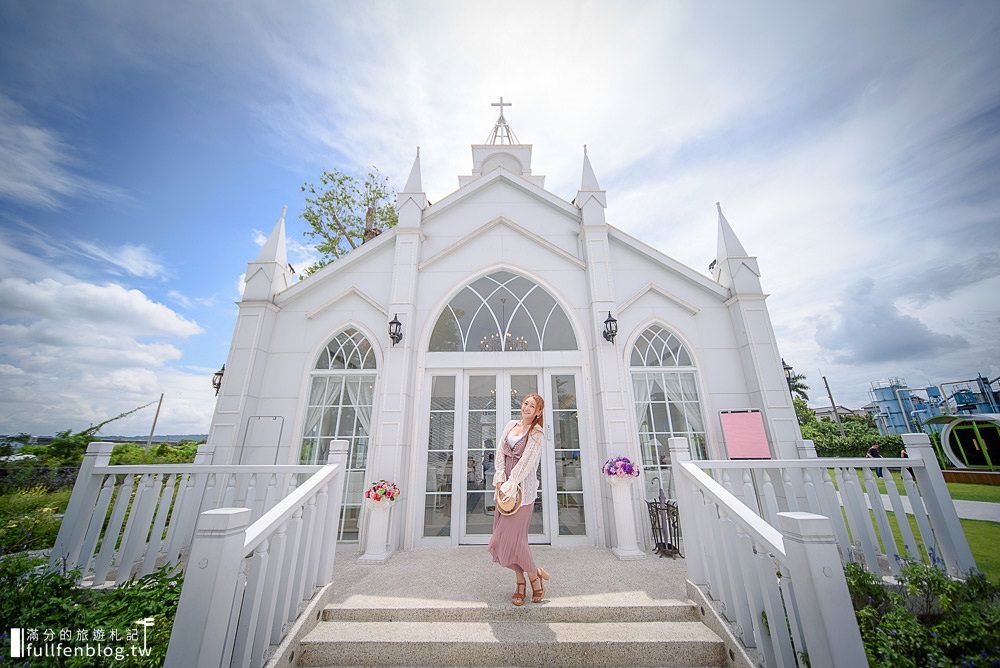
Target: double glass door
pixel 468 411
pixel 493 400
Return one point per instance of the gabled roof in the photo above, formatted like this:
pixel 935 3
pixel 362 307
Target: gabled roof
pixel 353 290
pixel 342 264
pixel 501 221
pixel 501 175
pixel 668 263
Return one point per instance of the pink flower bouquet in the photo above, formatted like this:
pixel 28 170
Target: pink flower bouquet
pixel 620 467
pixel 382 490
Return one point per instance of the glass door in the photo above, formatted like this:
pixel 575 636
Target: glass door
pixel 492 399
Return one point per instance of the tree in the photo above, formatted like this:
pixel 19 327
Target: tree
pixel 344 212
pixel 797 387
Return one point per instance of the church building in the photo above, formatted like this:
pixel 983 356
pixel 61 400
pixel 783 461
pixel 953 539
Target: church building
pixel 417 347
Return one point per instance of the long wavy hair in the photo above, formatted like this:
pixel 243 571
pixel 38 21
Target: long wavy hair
pixel 539 409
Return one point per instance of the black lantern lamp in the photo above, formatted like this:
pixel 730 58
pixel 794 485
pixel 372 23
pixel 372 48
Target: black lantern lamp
pixel 395 329
pixel 610 328
pixel 217 379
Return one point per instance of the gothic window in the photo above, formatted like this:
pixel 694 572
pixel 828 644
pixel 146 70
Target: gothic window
pixel 666 398
pixel 502 312
pixel 340 408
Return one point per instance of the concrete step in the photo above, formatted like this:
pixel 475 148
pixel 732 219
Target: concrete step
pixel 597 630
pixel 564 609
pixel 510 643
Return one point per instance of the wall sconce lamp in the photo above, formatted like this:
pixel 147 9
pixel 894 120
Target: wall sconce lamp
pixel 217 379
pixel 610 328
pixel 395 329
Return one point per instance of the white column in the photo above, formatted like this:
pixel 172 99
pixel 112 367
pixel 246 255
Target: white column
pixel 377 550
pixel 822 599
pixel 622 491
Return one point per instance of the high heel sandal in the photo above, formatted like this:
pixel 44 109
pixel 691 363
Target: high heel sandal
pixel 517 598
pixel 537 594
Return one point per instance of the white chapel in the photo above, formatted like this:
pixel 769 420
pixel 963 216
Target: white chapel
pixel 417 346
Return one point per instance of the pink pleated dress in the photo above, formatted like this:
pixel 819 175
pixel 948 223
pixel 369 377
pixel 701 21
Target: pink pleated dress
pixel 509 542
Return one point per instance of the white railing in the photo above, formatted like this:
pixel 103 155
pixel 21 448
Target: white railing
pixel 767 539
pixel 124 522
pixel 246 583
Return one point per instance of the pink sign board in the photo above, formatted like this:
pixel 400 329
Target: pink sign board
pixel 744 434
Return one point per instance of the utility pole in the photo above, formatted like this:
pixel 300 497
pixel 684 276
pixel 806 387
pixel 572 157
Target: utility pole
pixel 149 441
pixel 836 415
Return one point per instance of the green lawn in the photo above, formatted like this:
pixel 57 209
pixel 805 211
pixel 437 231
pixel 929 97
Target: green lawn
pixel 962 491
pixel 983 538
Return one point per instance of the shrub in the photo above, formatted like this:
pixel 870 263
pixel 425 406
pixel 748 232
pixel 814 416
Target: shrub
pixel 928 620
pixel 35 599
pixel 30 518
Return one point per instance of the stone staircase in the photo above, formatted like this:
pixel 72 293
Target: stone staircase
pixel 668 634
pixel 452 608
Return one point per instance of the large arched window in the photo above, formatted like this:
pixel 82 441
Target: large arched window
pixel 666 400
pixel 340 407
pixel 502 312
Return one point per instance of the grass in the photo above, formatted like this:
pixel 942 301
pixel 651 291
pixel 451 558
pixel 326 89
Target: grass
pixel 983 538
pixel 960 491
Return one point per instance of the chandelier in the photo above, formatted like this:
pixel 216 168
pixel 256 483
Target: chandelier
pixel 495 343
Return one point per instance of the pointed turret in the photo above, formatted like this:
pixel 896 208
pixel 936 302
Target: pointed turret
pixel 274 249
pixel 270 273
pixel 411 201
pixel 589 180
pixel 729 245
pixel 590 199
pixel 413 183
pixel 733 267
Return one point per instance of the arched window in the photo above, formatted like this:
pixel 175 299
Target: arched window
pixel 666 400
pixel 340 408
pixel 502 312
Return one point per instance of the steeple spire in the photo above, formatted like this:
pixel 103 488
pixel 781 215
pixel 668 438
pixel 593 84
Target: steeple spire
pixel 274 248
pixel 270 273
pixel 413 183
pixel 502 134
pixel 589 180
pixel 729 244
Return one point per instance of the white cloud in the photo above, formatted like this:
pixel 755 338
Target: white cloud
pixel 74 353
pixel 135 259
pixel 110 308
pixel 38 168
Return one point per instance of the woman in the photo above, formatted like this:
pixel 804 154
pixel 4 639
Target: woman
pixel 518 452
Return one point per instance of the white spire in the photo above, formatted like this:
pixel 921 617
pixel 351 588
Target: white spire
pixel 502 134
pixel 729 244
pixel 413 184
pixel 274 249
pixel 589 180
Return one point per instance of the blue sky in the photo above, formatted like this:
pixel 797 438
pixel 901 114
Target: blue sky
pixel 148 147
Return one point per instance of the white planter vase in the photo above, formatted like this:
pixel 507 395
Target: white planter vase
pixel 627 548
pixel 377 532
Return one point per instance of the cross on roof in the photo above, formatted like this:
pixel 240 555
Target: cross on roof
pixel 502 134
pixel 501 104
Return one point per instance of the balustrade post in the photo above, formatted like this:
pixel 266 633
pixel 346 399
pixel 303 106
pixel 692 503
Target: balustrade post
pixel 806 449
pixel 335 501
pixel 77 519
pixel 686 510
pixel 951 538
pixel 200 634
pixel 822 599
